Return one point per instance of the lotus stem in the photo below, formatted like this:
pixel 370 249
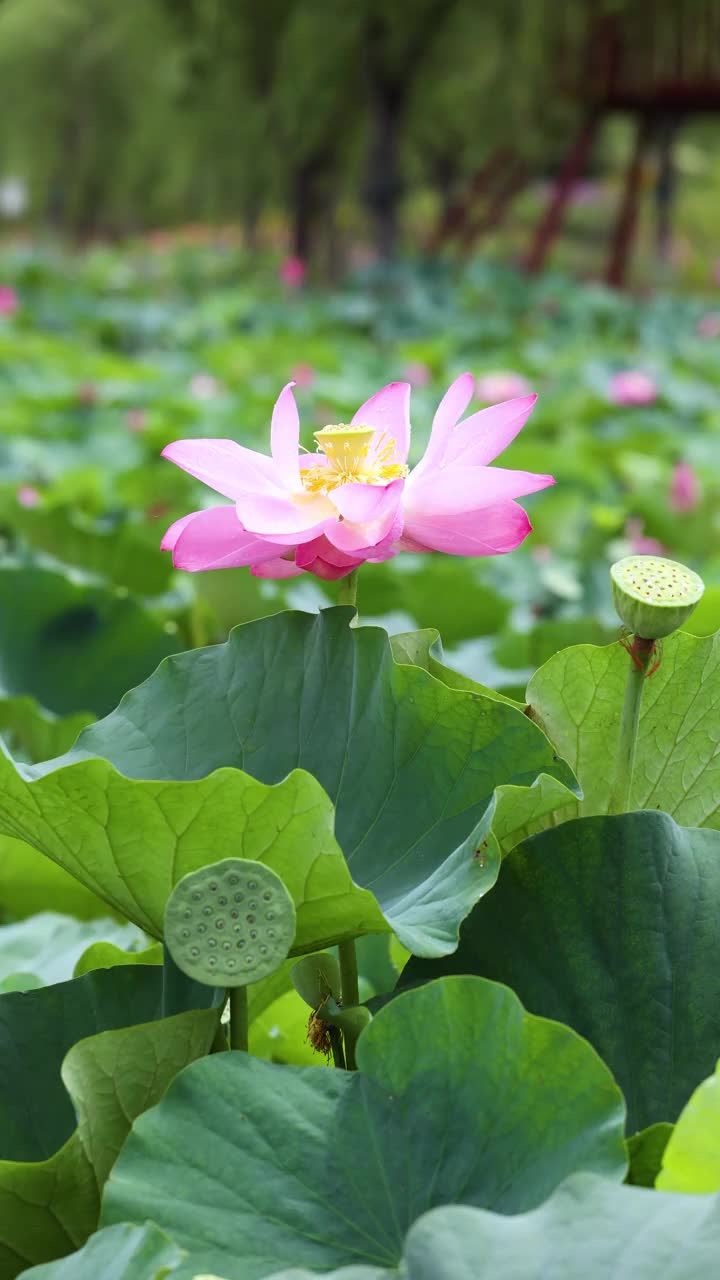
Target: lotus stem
pixel 641 652
pixel 347 593
pixel 350 994
pixel 239 1018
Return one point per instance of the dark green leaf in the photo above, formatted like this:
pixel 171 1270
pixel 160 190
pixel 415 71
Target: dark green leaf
pixel 460 1097
pixel 611 925
pixel 412 766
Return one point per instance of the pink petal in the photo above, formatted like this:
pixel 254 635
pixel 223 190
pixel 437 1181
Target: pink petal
pixel 460 489
pixel 215 539
pixel 490 531
pixel 285 438
pixel 283 519
pixel 362 536
pixel 224 465
pixel 484 435
pixel 449 411
pixel 362 502
pixel 172 534
pixel 388 411
pixel 276 569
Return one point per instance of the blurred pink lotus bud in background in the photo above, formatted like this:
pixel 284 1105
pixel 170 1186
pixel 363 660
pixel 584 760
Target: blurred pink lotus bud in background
pixel 633 387
pixel 27 496
pixel 136 420
pixel 87 394
pixel 8 300
pixel 640 543
pixel 303 375
pixel 685 490
pixel 417 373
pixel 293 271
pixel 709 326
pixel 203 386
pixel 492 388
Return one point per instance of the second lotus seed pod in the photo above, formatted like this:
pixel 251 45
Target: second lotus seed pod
pixel 230 924
pixel 654 596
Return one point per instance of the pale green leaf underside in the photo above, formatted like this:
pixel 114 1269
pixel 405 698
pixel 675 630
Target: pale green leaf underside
pixel 577 699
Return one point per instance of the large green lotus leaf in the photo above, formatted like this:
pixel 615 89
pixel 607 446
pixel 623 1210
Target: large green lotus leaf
pixel 74 1072
pixel 692 1156
pixel 29 881
pixel 577 699
pixel 612 926
pixel 49 1208
pixel 37 1030
pixel 105 955
pixel 32 733
pixel 72 645
pixel 589 1228
pixel 461 1096
pixel 424 649
pixel 645 1150
pixel 132 841
pixel 517 808
pixel 411 765
pixel 49 945
pixel 124 1252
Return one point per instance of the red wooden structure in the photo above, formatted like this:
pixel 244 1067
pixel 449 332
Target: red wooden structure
pixel 656 61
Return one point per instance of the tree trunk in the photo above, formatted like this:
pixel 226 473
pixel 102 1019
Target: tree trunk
pixel 386 105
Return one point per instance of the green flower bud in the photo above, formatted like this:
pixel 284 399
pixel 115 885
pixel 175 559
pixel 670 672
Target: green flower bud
pixel 653 596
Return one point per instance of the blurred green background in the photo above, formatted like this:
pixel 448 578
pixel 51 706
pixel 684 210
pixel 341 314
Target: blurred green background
pixel 202 200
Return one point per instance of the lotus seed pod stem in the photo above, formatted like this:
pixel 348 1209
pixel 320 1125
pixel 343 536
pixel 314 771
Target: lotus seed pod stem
pixel 641 652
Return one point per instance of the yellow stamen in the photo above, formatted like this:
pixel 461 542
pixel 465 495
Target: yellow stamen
pixel 349 459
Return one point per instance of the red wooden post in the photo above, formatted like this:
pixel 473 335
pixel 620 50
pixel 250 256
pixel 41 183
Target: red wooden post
pixel 626 223
pixel 457 214
pixel 574 166
pixel 515 179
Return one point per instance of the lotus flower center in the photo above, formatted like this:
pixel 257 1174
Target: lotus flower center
pixel 352 455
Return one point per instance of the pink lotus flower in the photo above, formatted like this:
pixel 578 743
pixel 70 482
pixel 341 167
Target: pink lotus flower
pixel 136 420
pixel 355 500
pixel 685 490
pixel 708 326
pixel 87 394
pixel 417 373
pixel 8 300
pixel 203 386
pixel 492 388
pixel 640 543
pixel 633 387
pixel 27 496
pixel 303 375
pixel 293 271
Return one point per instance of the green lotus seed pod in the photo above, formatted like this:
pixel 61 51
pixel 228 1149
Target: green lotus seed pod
pixel 229 924
pixel 654 596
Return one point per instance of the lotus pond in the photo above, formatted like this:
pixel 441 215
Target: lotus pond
pixel 368 936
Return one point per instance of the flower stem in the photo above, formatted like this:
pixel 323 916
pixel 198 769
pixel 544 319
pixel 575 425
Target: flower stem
pixel 219 1044
pixel 350 993
pixel 347 593
pixel 239 1018
pixel 640 653
pixel 336 1044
